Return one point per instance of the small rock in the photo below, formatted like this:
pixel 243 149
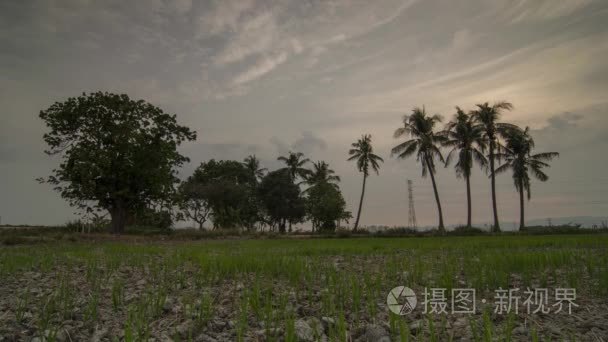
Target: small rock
pixel 184 329
pixel 552 329
pixel 327 323
pixel 520 330
pixel 205 338
pixel 99 334
pixel 376 333
pixel 168 305
pixel 303 331
pixel 460 323
pixel 218 325
pixel 416 326
pixel 316 325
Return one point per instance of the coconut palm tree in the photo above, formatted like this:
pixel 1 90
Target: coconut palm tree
pixel 487 117
pixel 295 162
pixel 363 152
pixel 467 141
pixel 252 163
pixel 425 143
pixel 321 173
pixel 519 158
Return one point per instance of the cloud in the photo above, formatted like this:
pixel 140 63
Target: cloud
pixel 307 143
pixel 563 121
pixel 264 65
pixel 182 6
pixel 254 36
pixel 223 16
pixel 547 9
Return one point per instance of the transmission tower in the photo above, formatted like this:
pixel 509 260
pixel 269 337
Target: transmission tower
pixel 411 221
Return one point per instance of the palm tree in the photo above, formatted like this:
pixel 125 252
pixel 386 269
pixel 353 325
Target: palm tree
pixel 321 173
pixel 363 152
pixel 252 163
pixel 425 144
pixel 519 158
pixel 468 142
pixel 486 117
pixel 295 162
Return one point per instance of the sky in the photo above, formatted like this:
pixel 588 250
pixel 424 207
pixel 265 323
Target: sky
pixel 265 77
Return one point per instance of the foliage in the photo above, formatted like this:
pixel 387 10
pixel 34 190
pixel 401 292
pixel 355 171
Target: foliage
pixel 363 153
pixel 281 199
pixel 325 205
pixel 193 202
pixel 117 153
pixel 520 160
pixel 467 140
pixel 321 173
pixel 295 162
pixel 252 164
pixel 223 189
pixel 487 118
pixel 425 143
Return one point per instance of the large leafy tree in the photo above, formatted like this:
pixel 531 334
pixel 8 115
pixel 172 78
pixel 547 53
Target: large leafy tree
pixel 193 201
pixel 295 162
pixel 325 206
pixel 520 160
pixel 281 199
pixel 363 153
pixel 117 154
pixel 425 143
pixel 487 118
pixel 467 144
pixel 227 187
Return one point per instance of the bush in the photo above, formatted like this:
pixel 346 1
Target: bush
pixel 467 231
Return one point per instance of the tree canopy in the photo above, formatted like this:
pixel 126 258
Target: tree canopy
pixel 117 154
pixel 281 199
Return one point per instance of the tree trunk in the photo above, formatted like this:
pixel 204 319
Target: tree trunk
pixel 119 218
pixel 360 204
pixel 521 206
pixel 496 227
pixel 432 173
pixel 469 209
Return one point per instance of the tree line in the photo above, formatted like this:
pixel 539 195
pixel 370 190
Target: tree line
pixel 120 156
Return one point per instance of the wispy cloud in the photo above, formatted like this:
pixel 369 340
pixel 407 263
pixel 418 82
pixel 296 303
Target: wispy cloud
pixel 254 36
pixel 264 65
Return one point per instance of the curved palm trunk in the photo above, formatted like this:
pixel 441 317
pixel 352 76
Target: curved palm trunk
pixel 441 226
pixel 469 201
pixel 522 224
pixel 360 204
pixel 496 227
